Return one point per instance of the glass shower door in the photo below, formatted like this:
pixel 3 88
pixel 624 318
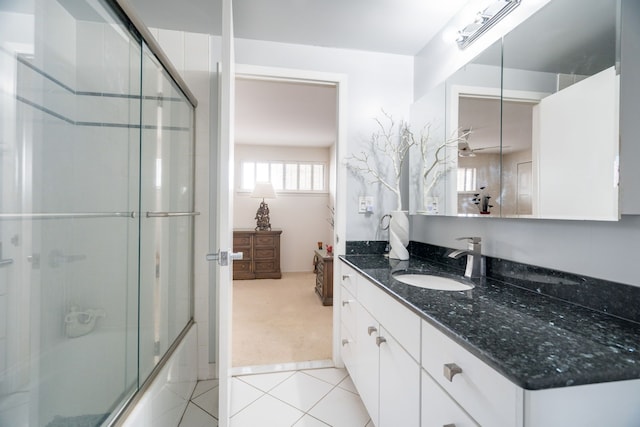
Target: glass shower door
pixel 69 189
pixel 166 198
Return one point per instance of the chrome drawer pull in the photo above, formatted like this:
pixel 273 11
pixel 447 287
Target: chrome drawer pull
pixel 451 370
pixel 449 425
pixel 380 340
pixel 347 301
pixel 371 330
pixel 345 342
pixel 346 276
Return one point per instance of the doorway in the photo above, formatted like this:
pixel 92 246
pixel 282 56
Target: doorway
pixel 286 133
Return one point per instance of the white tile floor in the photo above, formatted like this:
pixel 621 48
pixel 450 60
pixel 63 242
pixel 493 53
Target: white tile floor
pixel 304 398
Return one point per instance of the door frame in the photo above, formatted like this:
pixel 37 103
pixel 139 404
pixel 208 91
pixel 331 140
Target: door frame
pixel 224 303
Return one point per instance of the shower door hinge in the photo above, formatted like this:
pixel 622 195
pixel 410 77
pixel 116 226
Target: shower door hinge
pixel 223 257
pixel 156 348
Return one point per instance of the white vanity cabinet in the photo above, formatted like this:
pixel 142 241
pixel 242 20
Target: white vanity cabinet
pixel 385 374
pixel 488 397
pixel 409 373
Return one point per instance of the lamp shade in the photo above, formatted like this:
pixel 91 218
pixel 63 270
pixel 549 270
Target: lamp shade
pixel 263 190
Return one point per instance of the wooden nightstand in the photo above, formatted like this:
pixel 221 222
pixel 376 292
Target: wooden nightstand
pixel 260 254
pixel 323 268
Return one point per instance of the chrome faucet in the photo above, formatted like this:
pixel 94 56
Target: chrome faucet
pixel 475 261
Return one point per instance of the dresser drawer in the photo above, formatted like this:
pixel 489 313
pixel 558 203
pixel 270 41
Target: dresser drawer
pixel 264 253
pixel 264 266
pixel 401 322
pixel 264 240
pixel 487 396
pixel 241 240
pixel 246 253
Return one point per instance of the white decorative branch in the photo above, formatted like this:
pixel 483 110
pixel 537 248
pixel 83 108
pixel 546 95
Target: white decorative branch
pixel 437 164
pixel 391 141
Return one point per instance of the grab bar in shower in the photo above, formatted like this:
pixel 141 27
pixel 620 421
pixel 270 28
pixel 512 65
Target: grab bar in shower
pixel 170 214
pixel 68 215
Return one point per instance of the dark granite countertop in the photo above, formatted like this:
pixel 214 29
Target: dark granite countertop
pixel 534 340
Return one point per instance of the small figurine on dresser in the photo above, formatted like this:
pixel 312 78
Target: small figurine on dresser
pixel 262 218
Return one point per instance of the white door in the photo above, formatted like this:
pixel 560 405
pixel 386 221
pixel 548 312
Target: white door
pixel 222 209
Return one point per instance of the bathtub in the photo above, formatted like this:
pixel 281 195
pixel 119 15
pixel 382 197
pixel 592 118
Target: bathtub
pixel 77 378
pixel 86 378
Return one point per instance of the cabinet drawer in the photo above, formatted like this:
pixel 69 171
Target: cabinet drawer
pixel 438 409
pixel 348 350
pixel 487 396
pixel 264 253
pixel 264 266
pixel 264 240
pixel 241 266
pixel 401 322
pixel 349 279
pixel 348 311
pixel 241 240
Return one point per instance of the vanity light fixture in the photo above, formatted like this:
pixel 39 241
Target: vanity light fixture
pixel 485 19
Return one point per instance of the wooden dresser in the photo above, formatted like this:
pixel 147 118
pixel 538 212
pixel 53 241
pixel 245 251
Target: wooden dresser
pixel 323 268
pixel 260 254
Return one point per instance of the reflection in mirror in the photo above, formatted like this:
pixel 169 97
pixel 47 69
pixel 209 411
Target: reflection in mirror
pixel 565 55
pixel 430 165
pixel 534 119
pixel 473 116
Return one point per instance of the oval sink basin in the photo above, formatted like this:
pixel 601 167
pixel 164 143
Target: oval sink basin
pixel 429 281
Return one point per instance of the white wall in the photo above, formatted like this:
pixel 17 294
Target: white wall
pixel 375 81
pixel 301 217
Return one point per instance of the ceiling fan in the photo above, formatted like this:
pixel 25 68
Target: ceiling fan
pixel 465 150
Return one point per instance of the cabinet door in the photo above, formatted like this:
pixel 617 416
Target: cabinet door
pixel 399 385
pixel 367 369
pixel 438 409
pixel 348 307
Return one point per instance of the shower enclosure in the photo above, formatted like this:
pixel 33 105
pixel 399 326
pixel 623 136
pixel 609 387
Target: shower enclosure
pixel 96 211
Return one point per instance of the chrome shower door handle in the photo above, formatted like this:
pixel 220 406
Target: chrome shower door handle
pixel 223 257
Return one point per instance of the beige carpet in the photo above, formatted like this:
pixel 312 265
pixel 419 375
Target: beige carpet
pixel 279 321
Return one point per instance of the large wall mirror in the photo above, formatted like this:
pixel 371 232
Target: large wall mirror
pixel 529 128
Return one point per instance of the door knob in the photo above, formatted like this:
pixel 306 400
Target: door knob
pixel 223 257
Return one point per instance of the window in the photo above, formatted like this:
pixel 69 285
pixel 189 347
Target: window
pixel 466 179
pixel 287 176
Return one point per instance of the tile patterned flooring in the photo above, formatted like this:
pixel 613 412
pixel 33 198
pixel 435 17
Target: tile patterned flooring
pixel 302 398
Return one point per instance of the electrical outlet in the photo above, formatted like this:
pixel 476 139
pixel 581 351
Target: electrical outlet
pixel 365 204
